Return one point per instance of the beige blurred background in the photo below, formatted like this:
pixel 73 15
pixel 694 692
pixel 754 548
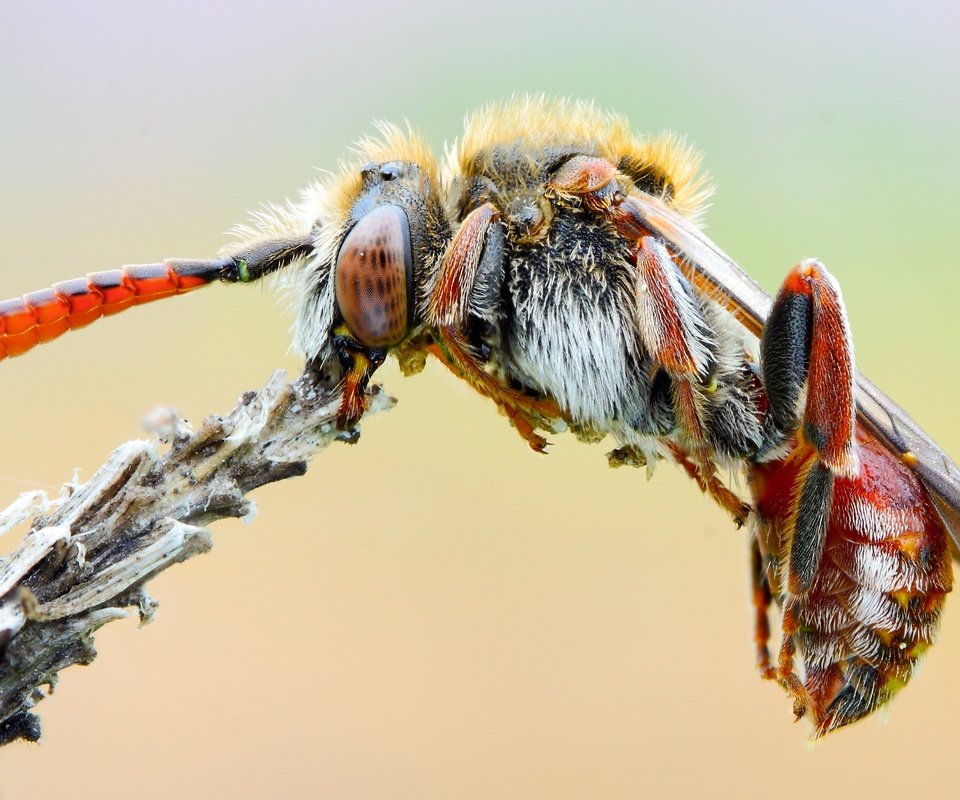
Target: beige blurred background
pixel 438 612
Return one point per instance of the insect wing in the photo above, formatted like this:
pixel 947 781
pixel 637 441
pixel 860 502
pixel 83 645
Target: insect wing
pixel 894 427
pixel 718 276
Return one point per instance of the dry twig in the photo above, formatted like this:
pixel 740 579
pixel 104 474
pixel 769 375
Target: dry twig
pixel 89 552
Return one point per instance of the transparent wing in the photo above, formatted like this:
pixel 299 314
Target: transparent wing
pixel 716 274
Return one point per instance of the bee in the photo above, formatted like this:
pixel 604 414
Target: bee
pixel 554 263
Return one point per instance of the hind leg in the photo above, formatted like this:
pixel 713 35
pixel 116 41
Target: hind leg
pixel 808 374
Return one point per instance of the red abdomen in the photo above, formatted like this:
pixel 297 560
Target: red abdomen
pixel 874 606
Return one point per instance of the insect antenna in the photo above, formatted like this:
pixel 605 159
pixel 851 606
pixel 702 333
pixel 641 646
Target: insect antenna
pixel 40 316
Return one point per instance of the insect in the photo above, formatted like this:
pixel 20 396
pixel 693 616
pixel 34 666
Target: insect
pixel 555 265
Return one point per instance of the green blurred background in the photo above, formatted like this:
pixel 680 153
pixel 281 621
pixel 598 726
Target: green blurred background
pixel 438 612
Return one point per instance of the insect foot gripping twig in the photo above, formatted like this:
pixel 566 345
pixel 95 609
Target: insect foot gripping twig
pixel 89 553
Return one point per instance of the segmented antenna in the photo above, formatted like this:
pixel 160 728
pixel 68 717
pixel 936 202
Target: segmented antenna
pixel 40 316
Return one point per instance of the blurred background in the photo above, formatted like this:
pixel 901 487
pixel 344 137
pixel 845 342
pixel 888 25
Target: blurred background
pixel 438 612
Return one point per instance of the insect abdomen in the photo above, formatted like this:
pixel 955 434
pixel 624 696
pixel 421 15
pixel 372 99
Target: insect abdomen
pixel 874 604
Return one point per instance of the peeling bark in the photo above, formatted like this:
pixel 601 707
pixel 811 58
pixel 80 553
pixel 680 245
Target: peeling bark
pixel 89 552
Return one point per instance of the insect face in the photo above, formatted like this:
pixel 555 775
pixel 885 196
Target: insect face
pixel 380 229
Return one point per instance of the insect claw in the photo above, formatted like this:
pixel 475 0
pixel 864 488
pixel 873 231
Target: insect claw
pixel 537 443
pixel 741 515
pixel 799 709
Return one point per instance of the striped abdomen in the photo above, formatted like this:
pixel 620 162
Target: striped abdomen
pixel 874 605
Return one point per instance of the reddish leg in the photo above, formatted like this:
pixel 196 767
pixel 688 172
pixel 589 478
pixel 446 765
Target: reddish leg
pixel 675 333
pixel 807 360
pixel 458 279
pixel 762 600
pixel 807 344
pixel 358 363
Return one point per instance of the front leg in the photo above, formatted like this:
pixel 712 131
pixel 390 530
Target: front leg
pixel 358 363
pixel 468 285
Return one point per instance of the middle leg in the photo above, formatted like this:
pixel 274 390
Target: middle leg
pixel 669 319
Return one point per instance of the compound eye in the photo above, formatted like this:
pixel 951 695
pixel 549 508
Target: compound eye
pixel 374 278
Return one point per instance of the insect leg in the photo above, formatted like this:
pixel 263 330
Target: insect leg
pixel 673 330
pixel 468 285
pixel 44 315
pixel 358 363
pixel 808 372
pixel 762 600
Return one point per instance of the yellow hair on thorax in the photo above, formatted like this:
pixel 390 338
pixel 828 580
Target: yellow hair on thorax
pixel 542 123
